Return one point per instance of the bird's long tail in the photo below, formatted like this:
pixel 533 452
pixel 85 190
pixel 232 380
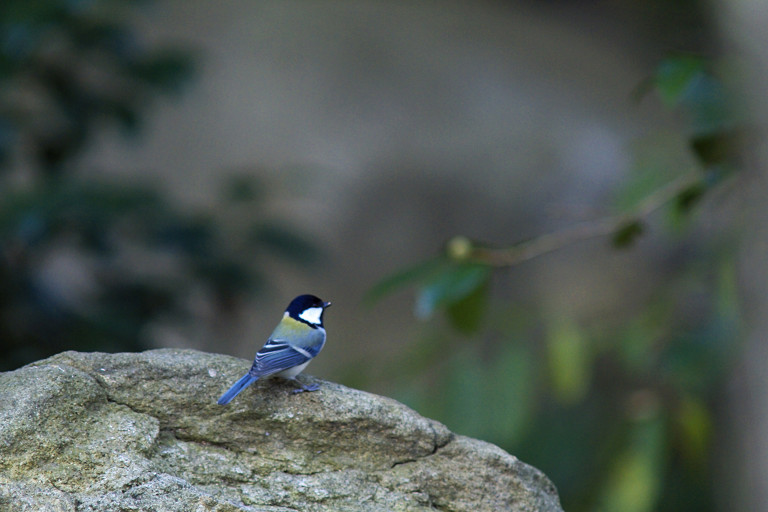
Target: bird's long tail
pixel 245 381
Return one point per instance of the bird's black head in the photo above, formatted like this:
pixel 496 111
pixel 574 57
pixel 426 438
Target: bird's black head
pixel 308 309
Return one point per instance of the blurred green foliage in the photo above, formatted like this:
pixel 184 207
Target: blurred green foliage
pixel 71 67
pixel 619 412
pixel 92 264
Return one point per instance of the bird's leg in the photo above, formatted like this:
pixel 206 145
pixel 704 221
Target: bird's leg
pixel 304 387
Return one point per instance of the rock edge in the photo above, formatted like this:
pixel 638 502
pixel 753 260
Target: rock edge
pixel 142 431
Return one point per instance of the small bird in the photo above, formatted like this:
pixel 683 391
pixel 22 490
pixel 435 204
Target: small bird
pixel 296 340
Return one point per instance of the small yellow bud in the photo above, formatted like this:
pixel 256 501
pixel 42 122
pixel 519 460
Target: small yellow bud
pixel 459 248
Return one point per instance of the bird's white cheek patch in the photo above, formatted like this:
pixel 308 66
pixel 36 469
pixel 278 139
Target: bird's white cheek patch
pixel 312 315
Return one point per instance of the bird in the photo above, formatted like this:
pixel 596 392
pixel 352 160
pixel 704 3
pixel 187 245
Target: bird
pixel 296 340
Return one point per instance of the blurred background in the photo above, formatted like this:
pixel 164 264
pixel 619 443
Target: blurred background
pixel 539 222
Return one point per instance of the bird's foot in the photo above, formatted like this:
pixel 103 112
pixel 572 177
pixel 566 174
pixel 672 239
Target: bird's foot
pixel 303 388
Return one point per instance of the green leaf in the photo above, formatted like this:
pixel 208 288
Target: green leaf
pixel 465 403
pixel 694 422
pixel 675 76
pixel 627 233
pixel 710 107
pixel 466 314
pixel 635 480
pixel 415 274
pixel 570 361
pixel 636 341
pixel 721 147
pixel 689 197
pixel 510 387
pixel 453 284
pixel 657 160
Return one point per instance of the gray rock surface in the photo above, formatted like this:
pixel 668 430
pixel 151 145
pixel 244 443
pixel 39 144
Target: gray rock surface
pixel 143 432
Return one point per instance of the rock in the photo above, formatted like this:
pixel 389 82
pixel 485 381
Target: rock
pixel 101 432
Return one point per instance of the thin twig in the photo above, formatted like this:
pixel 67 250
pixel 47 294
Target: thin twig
pixel 556 240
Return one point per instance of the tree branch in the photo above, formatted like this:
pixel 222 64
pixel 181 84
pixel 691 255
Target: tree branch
pixel 461 248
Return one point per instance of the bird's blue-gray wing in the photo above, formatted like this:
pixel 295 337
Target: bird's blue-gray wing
pixel 279 355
